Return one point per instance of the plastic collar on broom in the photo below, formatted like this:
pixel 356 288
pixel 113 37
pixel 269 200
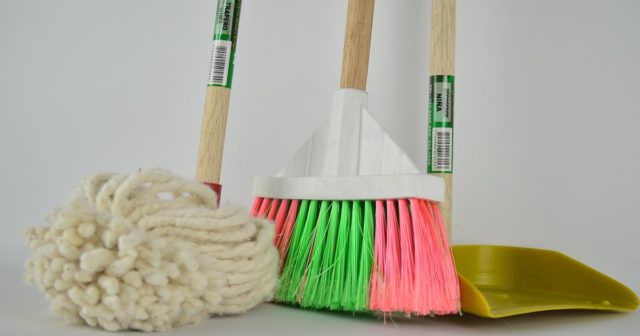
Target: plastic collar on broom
pixel 357 225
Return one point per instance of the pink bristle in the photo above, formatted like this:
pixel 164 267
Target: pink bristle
pixel 264 208
pixel 407 260
pixel 438 301
pixel 441 299
pixel 283 213
pixel 279 221
pixel 413 264
pixel 273 209
pixel 377 290
pixel 452 287
pixel 439 243
pixel 427 297
pixel 391 270
pixel 287 230
pixel 255 207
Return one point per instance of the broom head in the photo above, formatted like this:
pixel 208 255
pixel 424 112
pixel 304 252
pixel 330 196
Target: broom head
pixel 357 225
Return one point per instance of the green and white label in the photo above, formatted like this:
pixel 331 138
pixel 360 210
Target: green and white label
pixel 440 148
pixel 225 36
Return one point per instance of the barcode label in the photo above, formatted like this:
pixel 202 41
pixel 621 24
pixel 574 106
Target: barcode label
pixel 441 151
pixel 220 63
pixel 440 140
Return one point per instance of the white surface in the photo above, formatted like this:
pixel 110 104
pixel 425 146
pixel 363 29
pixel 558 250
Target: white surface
pixel 546 125
pixel 25 313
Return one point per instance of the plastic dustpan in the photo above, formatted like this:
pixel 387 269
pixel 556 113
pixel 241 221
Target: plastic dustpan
pixel 500 281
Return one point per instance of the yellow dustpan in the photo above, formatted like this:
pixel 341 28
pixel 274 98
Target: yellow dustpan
pixel 500 281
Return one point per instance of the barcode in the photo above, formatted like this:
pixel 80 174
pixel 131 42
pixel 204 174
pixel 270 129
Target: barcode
pixel 219 62
pixel 441 151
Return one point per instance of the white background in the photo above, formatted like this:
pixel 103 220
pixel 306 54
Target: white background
pixel 546 125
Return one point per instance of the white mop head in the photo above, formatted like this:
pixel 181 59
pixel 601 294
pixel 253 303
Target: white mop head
pixel 150 251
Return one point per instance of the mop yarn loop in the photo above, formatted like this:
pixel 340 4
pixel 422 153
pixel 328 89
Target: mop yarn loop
pixel 150 251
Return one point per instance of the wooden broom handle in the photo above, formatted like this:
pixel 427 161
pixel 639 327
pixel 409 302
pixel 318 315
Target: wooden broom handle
pixel 443 31
pixel 442 62
pixel 214 124
pixel 357 42
pixel 355 64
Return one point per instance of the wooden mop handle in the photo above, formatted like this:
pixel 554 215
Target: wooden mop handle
pixel 212 134
pixel 442 69
pixel 216 107
pixel 357 42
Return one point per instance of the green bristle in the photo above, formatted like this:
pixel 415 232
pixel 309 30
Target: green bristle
pixel 314 271
pixel 338 272
pixel 366 256
pixel 299 273
pixel 287 291
pixel 325 280
pixel 353 258
pixel 329 258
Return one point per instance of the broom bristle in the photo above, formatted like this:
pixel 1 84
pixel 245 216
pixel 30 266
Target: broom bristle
pixel 387 255
pixel 407 260
pixel 391 290
pixel 377 281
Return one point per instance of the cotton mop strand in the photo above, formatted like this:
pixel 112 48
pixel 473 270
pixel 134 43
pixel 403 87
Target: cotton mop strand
pixel 151 250
pixel 357 225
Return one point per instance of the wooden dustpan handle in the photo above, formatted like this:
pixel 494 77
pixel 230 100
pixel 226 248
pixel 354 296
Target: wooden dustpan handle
pixel 357 42
pixel 443 31
pixel 442 63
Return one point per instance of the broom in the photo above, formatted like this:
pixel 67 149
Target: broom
pixel 357 225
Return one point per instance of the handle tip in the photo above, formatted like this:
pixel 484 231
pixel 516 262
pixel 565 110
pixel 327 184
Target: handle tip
pixel 217 188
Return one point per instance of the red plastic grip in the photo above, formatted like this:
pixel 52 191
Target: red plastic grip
pixel 217 188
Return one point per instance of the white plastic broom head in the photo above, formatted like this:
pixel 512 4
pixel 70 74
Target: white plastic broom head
pixel 350 157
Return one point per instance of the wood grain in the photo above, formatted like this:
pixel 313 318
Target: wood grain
pixel 443 31
pixel 357 43
pixel 214 123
